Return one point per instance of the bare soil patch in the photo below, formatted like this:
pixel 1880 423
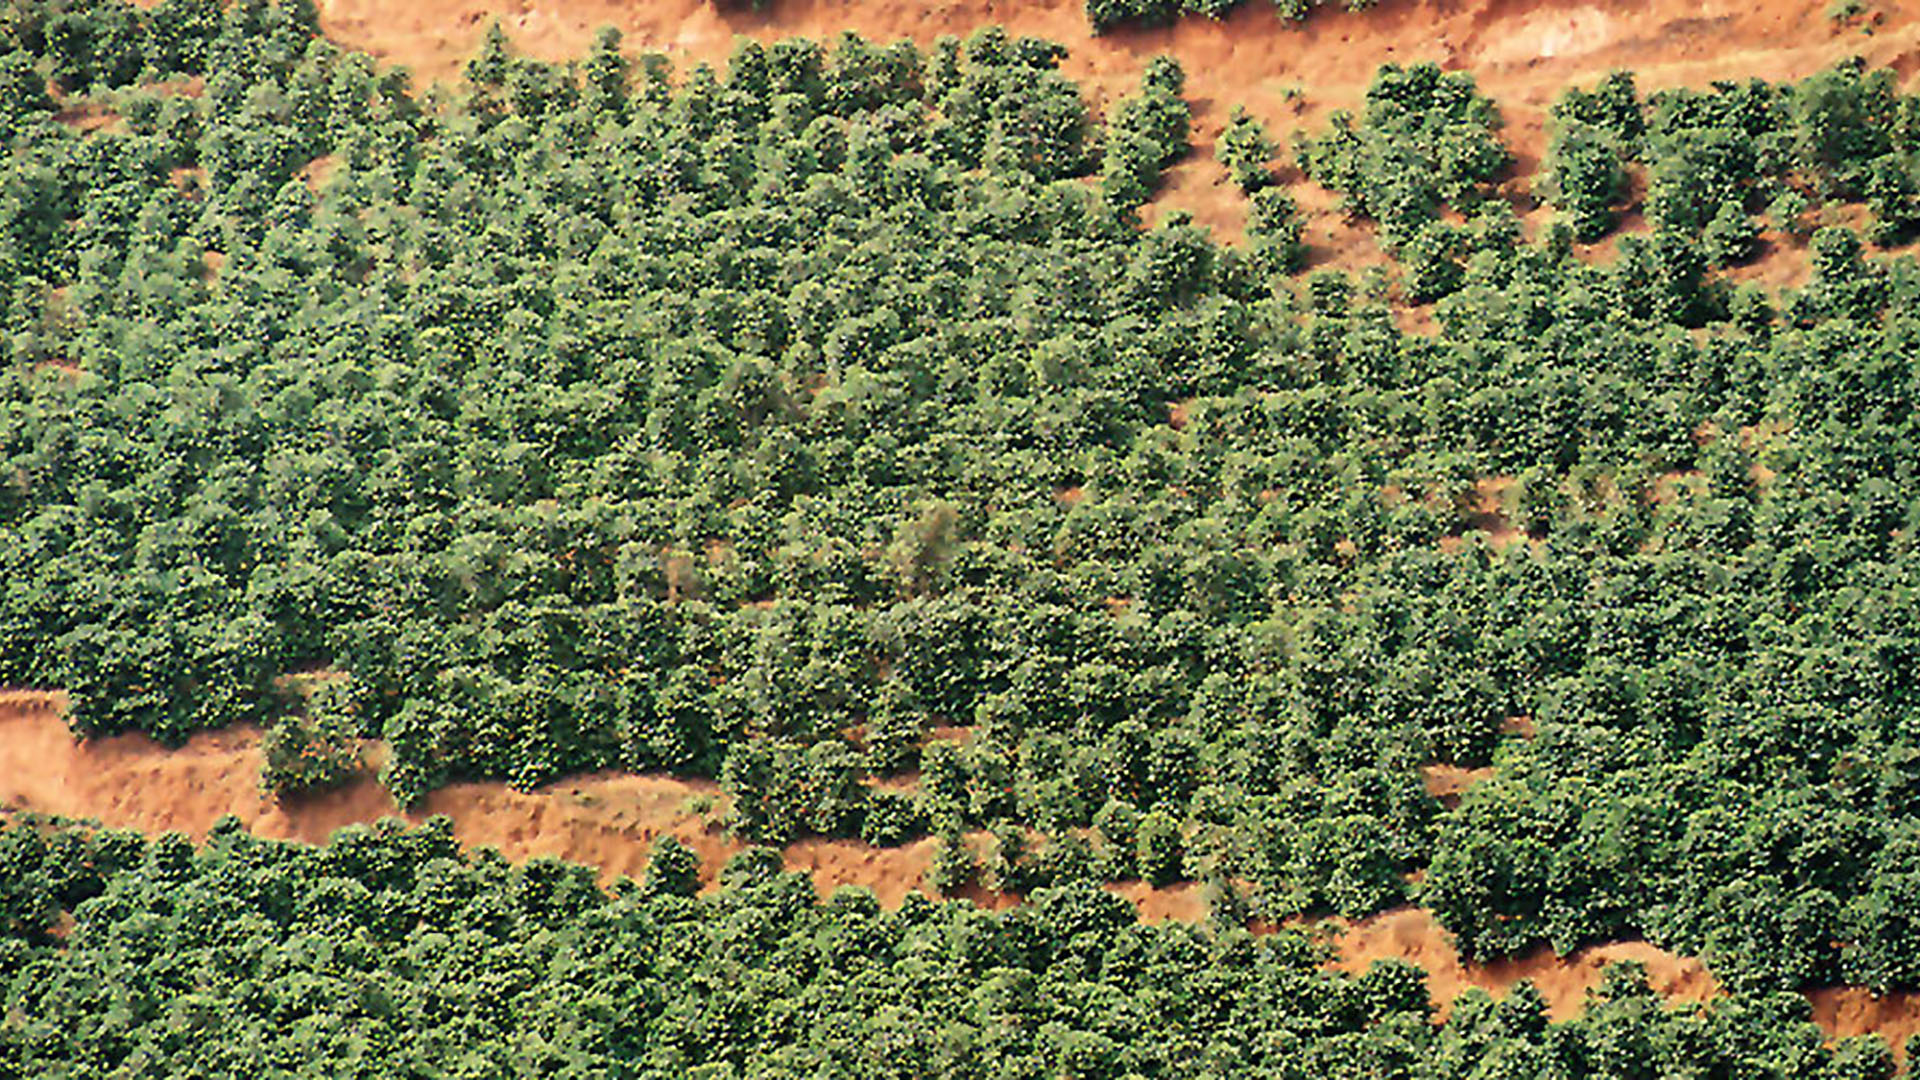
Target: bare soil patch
pixel 1412 935
pixel 1448 782
pixel 1290 76
pixel 610 820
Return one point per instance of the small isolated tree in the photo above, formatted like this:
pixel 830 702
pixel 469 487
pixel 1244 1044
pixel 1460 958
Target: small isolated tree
pixel 315 750
pixel 1891 186
pixel 753 866
pixel 1226 906
pixel 1145 134
pixel 1245 150
pixel 672 869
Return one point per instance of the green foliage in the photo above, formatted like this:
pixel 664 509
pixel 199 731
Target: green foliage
pixel 1104 15
pixel 1245 150
pixel 1145 134
pixel 1842 120
pixel 1730 236
pixel 1427 139
pixel 396 946
pixel 1787 214
pixel 954 866
pixel 1273 233
pixel 1432 259
pixel 1584 177
pixel 782 790
pixel 891 819
pixel 315 749
pixel 1612 109
pixel 1157 848
pixel 672 869
pixel 895 727
pixel 773 425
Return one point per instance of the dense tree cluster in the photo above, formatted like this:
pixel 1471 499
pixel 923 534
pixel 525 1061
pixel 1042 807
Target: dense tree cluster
pixel 1715 159
pixel 764 425
pixel 392 953
pixel 1428 141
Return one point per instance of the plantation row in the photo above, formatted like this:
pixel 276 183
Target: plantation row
pixel 390 953
pixel 758 425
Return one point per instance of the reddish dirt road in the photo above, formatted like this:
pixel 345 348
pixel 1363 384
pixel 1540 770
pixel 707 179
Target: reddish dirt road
pixel 610 821
pixel 1523 52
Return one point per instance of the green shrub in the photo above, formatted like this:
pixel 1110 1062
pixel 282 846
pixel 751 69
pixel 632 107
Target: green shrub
pixel 1245 150
pixel 316 749
pixel 1584 178
pixel 1428 139
pixel 1158 848
pixel 892 819
pixel 1731 236
pixel 1104 15
pixel 672 869
pixel 1787 213
pixel 954 866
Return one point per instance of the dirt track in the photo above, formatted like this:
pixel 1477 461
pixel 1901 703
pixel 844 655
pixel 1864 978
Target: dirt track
pixel 1523 52
pixel 610 821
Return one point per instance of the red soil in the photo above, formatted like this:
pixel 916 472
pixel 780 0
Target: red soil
pixel 1448 782
pixel 1175 903
pixel 1523 52
pixel 1411 934
pixel 610 820
pixel 1843 1011
pixel 130 781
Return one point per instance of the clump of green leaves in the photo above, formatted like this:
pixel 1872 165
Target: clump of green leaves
pixel 1245 150
pixel 317 748
pixel 1426 140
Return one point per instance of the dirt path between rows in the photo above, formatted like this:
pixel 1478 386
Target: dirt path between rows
pixel 610 820
pixel 1523 52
